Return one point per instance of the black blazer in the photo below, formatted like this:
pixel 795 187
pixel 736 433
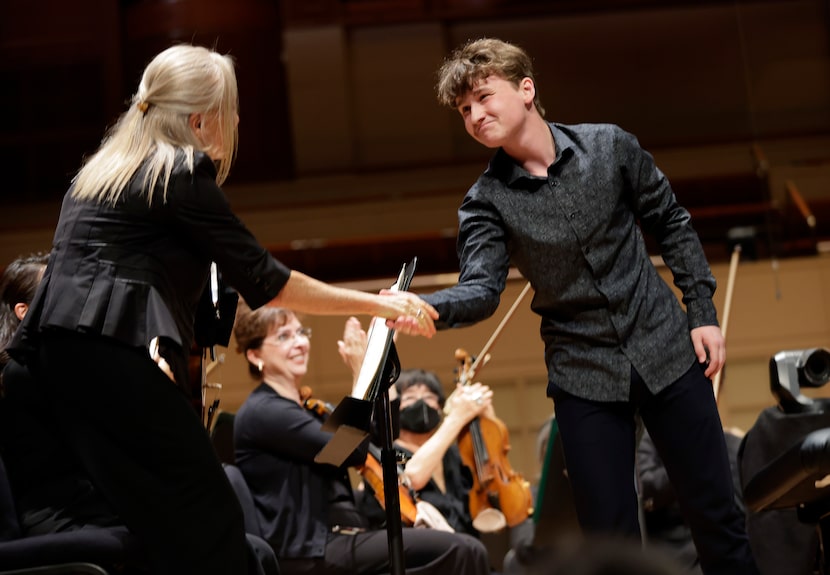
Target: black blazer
pixel 135 270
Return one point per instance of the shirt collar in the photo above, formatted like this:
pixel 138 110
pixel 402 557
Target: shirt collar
pixel 505 168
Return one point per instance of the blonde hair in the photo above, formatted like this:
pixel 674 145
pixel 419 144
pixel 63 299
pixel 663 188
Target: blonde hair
pixel 180 81
pixel 478 59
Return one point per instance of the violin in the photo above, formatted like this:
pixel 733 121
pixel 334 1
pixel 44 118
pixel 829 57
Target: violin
pixel 372 473
pixel 484 444
pixel 371 470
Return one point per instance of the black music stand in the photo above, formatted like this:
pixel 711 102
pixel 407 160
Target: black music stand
pixel 351 420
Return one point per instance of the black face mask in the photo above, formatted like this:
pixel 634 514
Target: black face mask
pixel 420 417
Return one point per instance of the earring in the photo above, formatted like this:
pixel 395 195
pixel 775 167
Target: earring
pixel 259 365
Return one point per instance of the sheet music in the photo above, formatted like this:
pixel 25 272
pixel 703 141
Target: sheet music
pixel 351 419
pixel 377 339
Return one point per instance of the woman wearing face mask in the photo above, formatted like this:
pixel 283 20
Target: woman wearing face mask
pixel 435 469
pixel 306 510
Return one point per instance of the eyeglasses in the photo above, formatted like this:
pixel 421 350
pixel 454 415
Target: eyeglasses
pixel 285 337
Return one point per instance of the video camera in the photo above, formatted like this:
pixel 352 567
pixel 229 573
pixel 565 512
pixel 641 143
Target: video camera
pixel 791 370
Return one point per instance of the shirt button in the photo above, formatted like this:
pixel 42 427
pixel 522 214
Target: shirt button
pixel 555 183
pixel 572 215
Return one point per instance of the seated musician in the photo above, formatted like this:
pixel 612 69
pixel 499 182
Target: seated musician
pixel 434 467
pixel 307 510
pixel 52 491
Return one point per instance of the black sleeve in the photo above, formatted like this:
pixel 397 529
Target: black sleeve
pixel 286 429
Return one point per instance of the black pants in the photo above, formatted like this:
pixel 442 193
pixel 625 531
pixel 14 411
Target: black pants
pixel 146 451
pixel 426 552
pixel 599 443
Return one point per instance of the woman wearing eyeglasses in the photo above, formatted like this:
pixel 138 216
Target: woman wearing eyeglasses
pixel 306 510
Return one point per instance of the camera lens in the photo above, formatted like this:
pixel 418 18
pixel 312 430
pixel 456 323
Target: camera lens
pixel 816 366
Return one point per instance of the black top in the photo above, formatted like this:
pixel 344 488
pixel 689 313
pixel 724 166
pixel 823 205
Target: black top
pixel 298 501
pixel 134 271
pixel 455 503
pixel 576 235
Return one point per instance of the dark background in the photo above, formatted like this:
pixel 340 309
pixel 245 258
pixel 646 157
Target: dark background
pixel 681 75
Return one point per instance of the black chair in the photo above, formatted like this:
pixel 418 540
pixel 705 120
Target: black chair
pixel 246 500
pixel 256 544
pixel 82 552
pixel 221 435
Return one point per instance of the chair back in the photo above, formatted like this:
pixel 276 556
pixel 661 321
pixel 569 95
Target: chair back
pixel 555 509
pixel 221 435
pixel 246 499
pixel 9 522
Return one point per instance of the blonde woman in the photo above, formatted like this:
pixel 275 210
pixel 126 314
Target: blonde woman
pixel 138 229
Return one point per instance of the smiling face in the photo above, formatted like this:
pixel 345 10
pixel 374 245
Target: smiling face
pixel 284 352
pixel 495 109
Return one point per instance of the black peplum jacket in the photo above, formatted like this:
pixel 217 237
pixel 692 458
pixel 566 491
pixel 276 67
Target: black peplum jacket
pixel 135 270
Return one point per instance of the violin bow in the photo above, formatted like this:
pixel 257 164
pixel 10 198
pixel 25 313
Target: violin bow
pixel 727 306
pixel 484 356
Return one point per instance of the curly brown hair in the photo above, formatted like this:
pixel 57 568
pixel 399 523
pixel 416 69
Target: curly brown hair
pixel 478 59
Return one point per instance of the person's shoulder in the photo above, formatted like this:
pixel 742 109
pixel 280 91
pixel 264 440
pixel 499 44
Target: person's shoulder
pixel 263 396
pixel 262 390
pixel 193 177
pixel 592 130
pixel 13 369
pixel 203 162
pixel 15 379
pixel 254 403
pixel 606 137
pixel 197 163
pixel 187 167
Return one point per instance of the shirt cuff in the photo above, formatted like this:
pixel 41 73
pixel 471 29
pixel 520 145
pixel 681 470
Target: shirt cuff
pixel 701 312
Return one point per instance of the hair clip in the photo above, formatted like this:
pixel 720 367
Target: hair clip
pixel 142 106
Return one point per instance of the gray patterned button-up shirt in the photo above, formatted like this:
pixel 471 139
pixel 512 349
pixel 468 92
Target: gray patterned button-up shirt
pixel 576 235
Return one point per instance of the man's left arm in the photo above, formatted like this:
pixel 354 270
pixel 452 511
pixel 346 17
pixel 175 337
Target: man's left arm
pixel 663 217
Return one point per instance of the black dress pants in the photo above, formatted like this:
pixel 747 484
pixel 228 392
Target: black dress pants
pixel 599 444
pixel 146 451
pixel 426 552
